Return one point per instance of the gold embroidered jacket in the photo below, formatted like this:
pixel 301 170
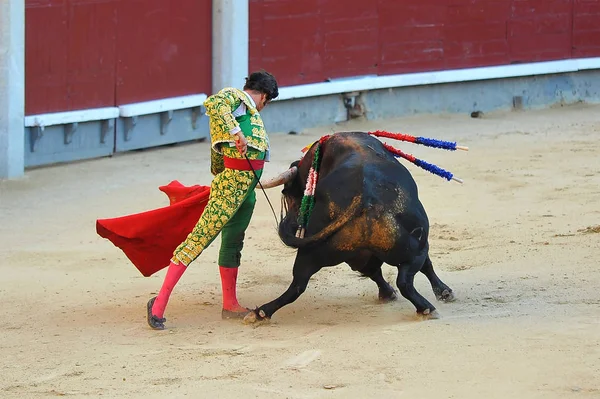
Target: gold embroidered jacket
pixel 220 109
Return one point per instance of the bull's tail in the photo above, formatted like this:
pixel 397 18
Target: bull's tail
pixel 289 225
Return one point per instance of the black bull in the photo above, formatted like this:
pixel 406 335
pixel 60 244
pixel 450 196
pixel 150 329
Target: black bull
pixel 366 213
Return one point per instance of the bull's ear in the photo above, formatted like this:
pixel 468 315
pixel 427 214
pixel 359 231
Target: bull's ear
pixel 295 163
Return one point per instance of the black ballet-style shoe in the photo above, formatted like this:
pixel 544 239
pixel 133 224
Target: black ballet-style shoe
pixel 156 323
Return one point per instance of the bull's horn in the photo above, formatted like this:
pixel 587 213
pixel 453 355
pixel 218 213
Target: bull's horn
pixel 282 178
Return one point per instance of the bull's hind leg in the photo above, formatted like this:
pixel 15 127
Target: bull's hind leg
pixel 372 269
pixel 442 291
pixel 405 282
pixel 305 266
pixel 386 292
pixel 370 266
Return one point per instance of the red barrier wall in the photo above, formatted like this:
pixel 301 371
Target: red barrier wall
pixel 313 40
pixel 586 28
pixel 98 53
pixel 164 48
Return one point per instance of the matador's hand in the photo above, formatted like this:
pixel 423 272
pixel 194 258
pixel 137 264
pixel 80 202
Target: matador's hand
pixel 241 143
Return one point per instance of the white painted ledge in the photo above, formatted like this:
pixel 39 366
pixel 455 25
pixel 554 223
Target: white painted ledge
pixel 164 105
pixel 437 77
pixel 588 63
pixel 337 86
pixel 63 118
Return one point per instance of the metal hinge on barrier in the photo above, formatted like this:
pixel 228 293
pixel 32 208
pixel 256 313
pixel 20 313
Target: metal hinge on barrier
pixel 165 119
pixel 129 124
pixel 106 127
pixel 70 129
pixel 196 113
pixel 35 134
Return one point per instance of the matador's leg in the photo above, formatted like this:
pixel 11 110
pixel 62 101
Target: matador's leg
pixel 230 254
pixel 228 191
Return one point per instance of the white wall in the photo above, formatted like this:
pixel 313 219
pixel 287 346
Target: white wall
pixel 12 88
pixel 230 43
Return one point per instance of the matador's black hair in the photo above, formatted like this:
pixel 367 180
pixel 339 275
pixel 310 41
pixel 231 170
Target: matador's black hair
pixel 262 82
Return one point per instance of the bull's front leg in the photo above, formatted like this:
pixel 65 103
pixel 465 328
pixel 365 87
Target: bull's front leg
pixel 304 267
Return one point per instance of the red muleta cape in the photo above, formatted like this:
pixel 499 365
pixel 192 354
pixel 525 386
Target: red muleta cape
pixel 149 238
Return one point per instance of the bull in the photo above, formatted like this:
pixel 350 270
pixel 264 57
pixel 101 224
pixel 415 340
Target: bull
pixel 366 212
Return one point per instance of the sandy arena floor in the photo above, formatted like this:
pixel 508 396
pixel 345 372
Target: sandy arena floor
pixel 518 243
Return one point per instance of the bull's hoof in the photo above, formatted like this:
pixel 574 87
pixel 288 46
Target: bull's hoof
pixel 429 314
pixel 256 317
pixel 389 296
pixel 445 296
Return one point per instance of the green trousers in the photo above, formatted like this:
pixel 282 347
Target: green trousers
pixel 233 233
